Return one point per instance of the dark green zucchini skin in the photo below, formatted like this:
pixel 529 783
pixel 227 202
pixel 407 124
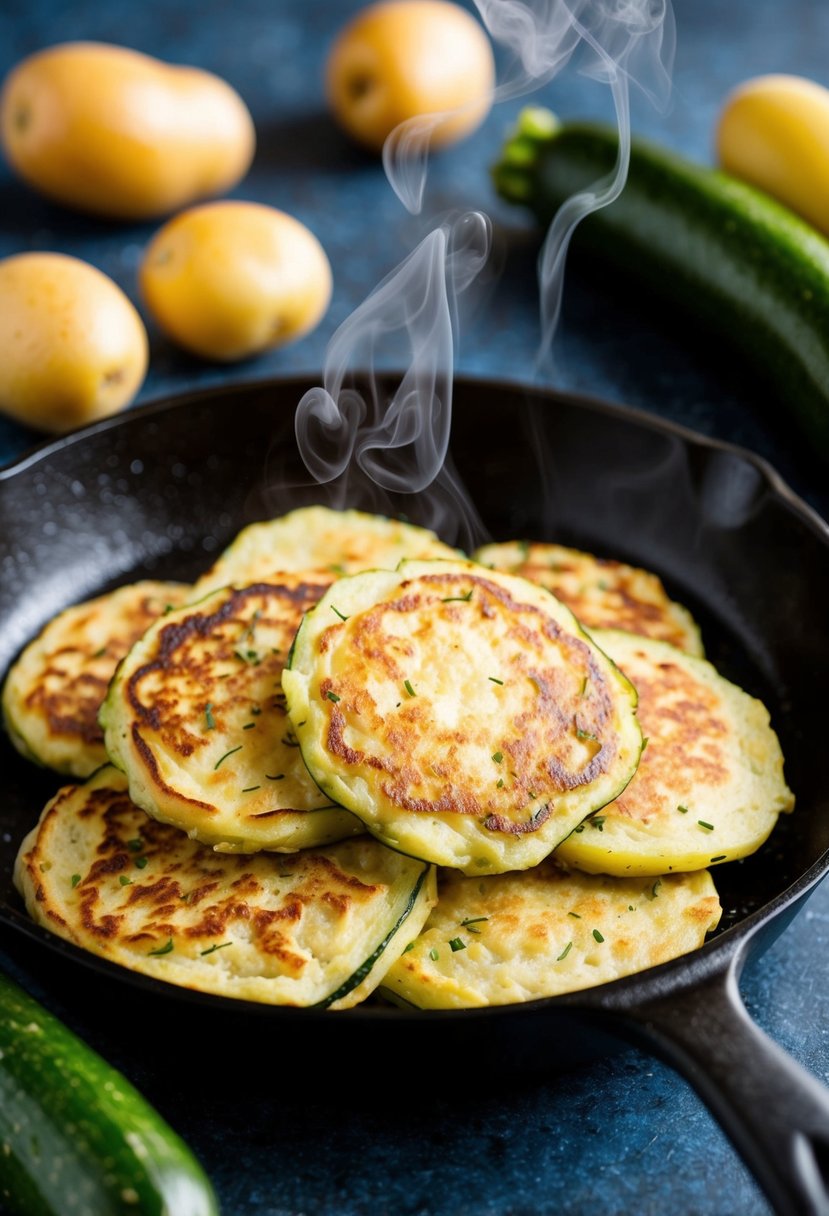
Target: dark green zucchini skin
pixel 724 253
pixel 75 1136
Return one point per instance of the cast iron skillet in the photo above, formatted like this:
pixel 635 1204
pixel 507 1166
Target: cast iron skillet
pixel 160 490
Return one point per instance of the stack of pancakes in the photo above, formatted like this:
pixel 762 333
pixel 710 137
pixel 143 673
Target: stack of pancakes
pixel 351 759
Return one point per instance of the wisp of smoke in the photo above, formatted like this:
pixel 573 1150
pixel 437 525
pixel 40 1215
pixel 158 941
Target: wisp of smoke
pixel 400 441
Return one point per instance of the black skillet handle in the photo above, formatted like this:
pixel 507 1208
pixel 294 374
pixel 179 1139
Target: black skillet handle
pixel 775 1112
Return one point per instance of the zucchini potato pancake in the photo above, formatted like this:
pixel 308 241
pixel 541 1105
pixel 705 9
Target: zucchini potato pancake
pixel 462 714
pixel 336 673
pixel 515 937
pixel 603 594
pixel 195 717
pixel 320 928
pixel 52 694
pixel 318 538
pixel 710 784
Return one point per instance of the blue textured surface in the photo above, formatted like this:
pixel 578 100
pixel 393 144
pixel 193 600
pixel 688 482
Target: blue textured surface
pixel 623 1135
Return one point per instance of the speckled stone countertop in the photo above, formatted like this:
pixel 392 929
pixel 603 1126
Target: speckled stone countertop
pixel 624 1134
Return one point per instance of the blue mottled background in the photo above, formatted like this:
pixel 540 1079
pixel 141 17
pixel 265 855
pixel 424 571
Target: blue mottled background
pixel 624 1135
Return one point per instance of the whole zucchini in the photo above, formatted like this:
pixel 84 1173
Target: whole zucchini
pixel 75 1136
pixel 722 251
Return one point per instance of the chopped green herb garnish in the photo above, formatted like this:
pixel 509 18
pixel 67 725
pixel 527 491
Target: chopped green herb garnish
pixel 124 881
pixel 433 954
pixel 222 759
pixel 457 944
pixel 250 788
pixel 719 857
pixel 458 599
pixel 576 915
pixel 471 922
pixel 499 784
pixel 408 948
pixel 597 822
pixel 339 614
pixel 249 726
pixel 99 654
pixel 654 891
pixel 142 862
pixel 332 696
pixel 603 584
pixel 585 734
pixel 209 720
pixel 709 827
pixel 565 952
pixel 407 684
pixel 213 949
pixel 497 757
pixel 76 878
pixel 337 569
pixel 495 680
pixel 255 711
pixel 275 776
pixel 289 740
pixel 598 935
pixel 683 810
pixel 167 948
pixel 135 846
pixel 583 687
pixel 645 743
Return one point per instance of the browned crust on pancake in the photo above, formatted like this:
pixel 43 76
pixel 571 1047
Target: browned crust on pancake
pixel 538 740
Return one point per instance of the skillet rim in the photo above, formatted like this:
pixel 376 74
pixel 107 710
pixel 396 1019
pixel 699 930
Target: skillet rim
pixel 619 994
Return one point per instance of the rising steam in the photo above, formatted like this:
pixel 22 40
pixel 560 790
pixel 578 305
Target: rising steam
pixel 400 441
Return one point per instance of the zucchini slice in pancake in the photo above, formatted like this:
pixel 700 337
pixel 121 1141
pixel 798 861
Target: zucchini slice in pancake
pixel 318 538
pixel 319 928
pixel 463 715
pixel 515 937
pixel 196 719
pixel 603 594
pixel 53 692
pixel 710 784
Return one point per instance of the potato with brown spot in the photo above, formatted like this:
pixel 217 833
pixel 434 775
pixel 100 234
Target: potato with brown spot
pixel 320 928
pixel 231 279
pixel 73 348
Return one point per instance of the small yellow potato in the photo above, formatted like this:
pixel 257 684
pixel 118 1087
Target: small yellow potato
pixel 109 130
pixel 773 132
pixel 72 347
pixel 228 280
pixel 398 59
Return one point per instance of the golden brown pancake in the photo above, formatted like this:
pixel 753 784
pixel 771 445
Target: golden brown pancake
pixel 196 719
pixel 54 691
pixel 318 928
pixel 517 937
pixel 710 784
pixel 318 538
pixel 603 594
pixel 462 714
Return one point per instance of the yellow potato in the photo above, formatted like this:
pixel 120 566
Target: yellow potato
pixel 106 129
pixel 231 279
pixel 773 132
pixel 402 58
pixel 72 347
